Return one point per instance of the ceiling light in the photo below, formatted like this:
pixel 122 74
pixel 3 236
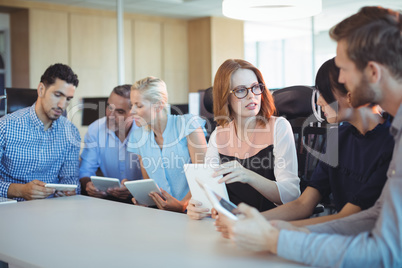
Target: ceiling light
pixel 270 10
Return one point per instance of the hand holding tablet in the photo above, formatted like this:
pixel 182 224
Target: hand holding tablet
pixel 105 183
pixel 221 205
pixel 140 190
pixel 61 187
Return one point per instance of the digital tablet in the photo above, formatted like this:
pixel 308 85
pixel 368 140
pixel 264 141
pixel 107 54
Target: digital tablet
pixel 5 200
pixel 104 183
pixel 221 205
pixel 203 172
pixel 61 187
pixel 140 189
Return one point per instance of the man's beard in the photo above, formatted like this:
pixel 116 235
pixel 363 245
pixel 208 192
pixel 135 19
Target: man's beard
pixel 362 94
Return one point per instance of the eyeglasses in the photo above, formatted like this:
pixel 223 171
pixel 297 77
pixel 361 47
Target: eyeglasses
pixel 242 91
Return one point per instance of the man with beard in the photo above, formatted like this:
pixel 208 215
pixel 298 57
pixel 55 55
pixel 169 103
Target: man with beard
pixel 37 144
pixel 106 148
pixel 369 55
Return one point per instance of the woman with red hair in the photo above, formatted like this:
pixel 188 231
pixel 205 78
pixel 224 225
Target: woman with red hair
pixel 253 150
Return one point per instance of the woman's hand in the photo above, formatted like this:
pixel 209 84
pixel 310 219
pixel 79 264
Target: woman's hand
pixel 221 225
pixel 167 202
pixel 196 211
pixel 235 172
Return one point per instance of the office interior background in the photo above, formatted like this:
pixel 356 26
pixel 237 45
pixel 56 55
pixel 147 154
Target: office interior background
pixel 181 41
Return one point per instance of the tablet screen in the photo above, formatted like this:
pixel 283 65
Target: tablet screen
pixel 229 206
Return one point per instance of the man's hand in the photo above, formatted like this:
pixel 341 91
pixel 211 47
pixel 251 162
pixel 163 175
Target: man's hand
pixel 93 191
pixel 32 190
pixel 196 211
pixel 64 193
pixel 167 202
pixel 252 231
pixel 122 192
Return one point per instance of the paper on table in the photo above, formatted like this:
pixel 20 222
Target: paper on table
pixel 204 173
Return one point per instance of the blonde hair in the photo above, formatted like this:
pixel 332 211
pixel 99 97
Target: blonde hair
pixel 154 90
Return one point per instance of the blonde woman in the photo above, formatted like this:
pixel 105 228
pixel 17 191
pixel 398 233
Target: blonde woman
pixel 165 142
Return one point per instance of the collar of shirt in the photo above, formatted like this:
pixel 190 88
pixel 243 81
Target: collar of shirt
pixel 37 122
pixel 397 122
pixel 113 134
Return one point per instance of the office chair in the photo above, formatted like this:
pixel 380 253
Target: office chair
pixel 298 105
pixel 18 98
pixel 209 115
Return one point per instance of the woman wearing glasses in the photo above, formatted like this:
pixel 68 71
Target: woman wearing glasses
pixel 255 150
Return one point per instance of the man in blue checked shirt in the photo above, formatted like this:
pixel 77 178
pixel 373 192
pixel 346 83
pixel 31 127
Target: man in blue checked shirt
pixel 37 144
pixel 106 148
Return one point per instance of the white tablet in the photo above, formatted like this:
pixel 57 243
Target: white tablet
pixel 61 187
pixel 5 200
pixel 203 172
pixel 221 205
pixel 104 183
pixel 140 189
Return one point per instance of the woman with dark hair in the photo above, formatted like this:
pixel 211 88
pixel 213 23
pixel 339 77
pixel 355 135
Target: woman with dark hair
pixel 255 151
pixel 363 147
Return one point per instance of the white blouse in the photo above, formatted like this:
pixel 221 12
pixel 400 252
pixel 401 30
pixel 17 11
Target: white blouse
pixel 285 159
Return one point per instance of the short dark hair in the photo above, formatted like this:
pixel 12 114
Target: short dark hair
pixel 373 34
pixel 61 71
pixel 123 91
pixel 326 81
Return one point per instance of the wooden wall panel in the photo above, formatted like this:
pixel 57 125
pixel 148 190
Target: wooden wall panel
pixel 128 52
pixel 93 49
pixel 19 35
pixel 227 41
pixel 147 48
pixel 48 41
pixel 93 56
pixel 175 62
pixel 199 47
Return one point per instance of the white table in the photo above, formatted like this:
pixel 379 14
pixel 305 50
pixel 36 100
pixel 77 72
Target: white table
pixel 81 231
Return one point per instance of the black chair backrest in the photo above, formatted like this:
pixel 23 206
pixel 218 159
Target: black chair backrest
pixel 296 105
pixel 208 101
pixel 293 102
pixel 18 98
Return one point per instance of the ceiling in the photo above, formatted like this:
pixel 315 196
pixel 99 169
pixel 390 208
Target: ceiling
pixel 333 12
pixel 187 9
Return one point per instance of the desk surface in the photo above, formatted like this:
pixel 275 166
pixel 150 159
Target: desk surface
pixel 81 231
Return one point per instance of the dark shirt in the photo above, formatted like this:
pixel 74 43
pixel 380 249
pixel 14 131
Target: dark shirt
pixel 362 170
pixel 240 192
